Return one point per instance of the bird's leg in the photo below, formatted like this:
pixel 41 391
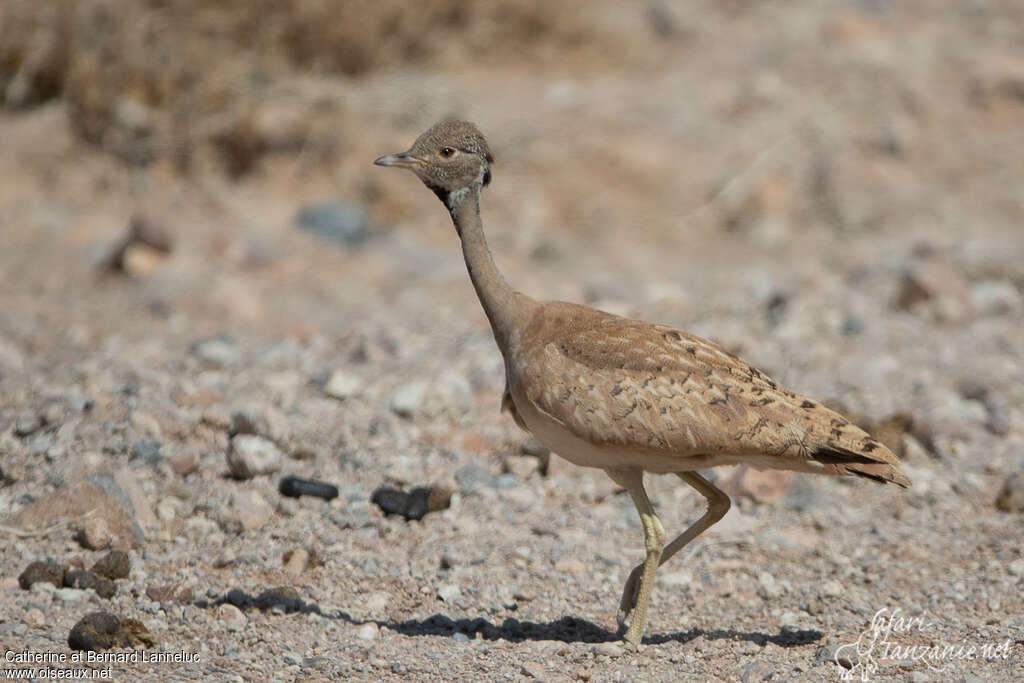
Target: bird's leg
pixel 654 538
pixel 718 505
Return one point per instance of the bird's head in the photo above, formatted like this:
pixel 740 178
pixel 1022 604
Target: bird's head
pixel 451 158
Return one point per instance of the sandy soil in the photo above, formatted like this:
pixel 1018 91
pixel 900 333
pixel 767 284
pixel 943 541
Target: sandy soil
pixel 832 193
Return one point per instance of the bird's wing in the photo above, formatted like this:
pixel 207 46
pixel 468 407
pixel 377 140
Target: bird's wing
pixel 624 383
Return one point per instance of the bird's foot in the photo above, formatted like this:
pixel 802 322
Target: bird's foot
pixel 629 596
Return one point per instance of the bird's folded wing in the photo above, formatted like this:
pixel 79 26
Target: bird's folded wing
pixel 625 383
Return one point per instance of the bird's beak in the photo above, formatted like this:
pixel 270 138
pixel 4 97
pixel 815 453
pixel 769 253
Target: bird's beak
pixel 402 160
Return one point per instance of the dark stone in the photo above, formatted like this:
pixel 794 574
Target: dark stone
pixel 390 500
pixel 852 326
pixel 147 450
pixel 84 579
pixel 412 505
pixel 293 487
pixel 335 221
pixel 49 572
pixel 103 631
pixel 418 503
pixel 114 565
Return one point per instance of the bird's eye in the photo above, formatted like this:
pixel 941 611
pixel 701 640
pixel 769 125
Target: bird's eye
pixel 447 152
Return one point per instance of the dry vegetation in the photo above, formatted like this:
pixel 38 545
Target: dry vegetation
pixel 164 78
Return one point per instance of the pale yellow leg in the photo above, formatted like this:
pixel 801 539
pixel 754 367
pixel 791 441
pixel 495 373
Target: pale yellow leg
pixel 654 539
pixel 718 505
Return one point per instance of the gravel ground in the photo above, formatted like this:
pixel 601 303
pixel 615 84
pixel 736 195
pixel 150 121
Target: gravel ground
pixel 157 382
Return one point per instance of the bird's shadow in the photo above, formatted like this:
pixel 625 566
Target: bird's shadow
pixel 576 630
pixel 566 629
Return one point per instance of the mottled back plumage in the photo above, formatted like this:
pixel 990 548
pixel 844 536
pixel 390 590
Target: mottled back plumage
pixel 635 386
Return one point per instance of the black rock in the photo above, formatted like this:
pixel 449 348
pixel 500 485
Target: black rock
pixel 85 578
pixel 418 503
pixel 390 500
pixel 412 505
pixel 114 565
pixel 48 572
pixel 293 487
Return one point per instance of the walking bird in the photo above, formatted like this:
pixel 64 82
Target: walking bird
pixel 627 396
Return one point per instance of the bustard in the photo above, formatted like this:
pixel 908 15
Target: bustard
pixel 627 396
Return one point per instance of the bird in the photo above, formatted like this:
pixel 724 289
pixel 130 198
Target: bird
pixel 631 397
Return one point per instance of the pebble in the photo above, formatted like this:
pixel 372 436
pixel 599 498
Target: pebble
pixel 473 476
pixel 996 297
pixel 166 510
pixel 677 579
pixel 407 399
pixel 937 286
pixel 70 594
pixel 94 533
pixel 1016 567
pixel 296 562
pixel 231 617
pixel 570 565
pixel 185 463
pixel 293 487
pixel 450 593
pixel 1011 496
pixel 52 414
pixel 449 394
pixel 831 588
pixel 261 420
pixel 292 658
pixel 610 649
pixel 460 637
pixel 103 630
pixel 376 602
pixel 147 450
pixel 26 425
pixel 767 586
pixel 217 352
pixel 336 221
pixel 250 455
pixel 412 505
pixel 368 632
pixel 249 510
pixel 532 670
pixel 341 385
pixel 169 592
pixel 42 572
pixel 35 618
pixel 85 579
pixel 114 565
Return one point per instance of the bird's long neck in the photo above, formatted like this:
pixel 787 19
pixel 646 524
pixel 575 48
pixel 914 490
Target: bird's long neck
pixel 500 301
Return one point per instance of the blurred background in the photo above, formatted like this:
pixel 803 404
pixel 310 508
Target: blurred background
pixel 190 222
